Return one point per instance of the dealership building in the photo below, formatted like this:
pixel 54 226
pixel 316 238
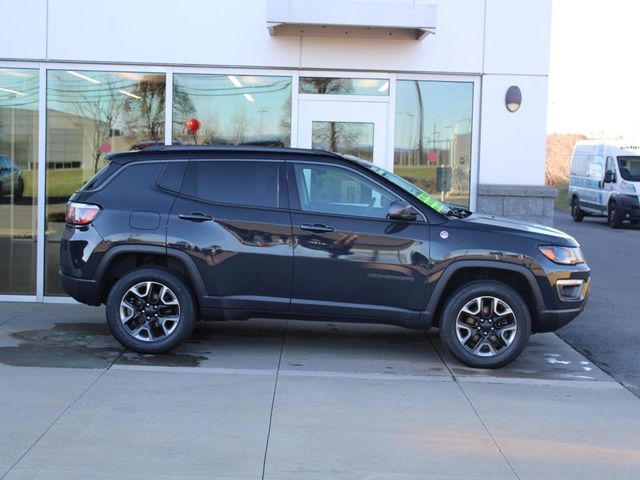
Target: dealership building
pixel 450 94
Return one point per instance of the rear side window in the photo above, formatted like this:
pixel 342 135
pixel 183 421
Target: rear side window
pixel 171 176
pixel 247 183
pixel 99 178
pixel 588 166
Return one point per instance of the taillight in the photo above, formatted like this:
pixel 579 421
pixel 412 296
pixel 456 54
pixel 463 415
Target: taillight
pixel 81 213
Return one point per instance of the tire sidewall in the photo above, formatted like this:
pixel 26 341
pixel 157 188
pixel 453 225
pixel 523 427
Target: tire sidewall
pixel 185 325
pixel 576 213
pixel 19 190
pixel 461 297
pixel 612 217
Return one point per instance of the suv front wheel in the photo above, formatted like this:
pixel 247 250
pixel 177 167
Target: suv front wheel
pixel 150 310
pixel 485 324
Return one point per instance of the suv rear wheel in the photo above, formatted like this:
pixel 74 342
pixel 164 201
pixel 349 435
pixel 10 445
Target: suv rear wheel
pixel 485 324
pixel 150 310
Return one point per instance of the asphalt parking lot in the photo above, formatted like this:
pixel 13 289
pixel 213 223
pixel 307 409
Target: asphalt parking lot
pixel 608 331
pixel 295 400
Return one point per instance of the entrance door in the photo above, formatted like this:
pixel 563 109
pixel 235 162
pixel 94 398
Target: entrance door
pixel 354 127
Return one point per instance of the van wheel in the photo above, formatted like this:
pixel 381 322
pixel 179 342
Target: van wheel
pixel 485 324
pixel 150 310
pixel 19 191
pixel 613 218
pixel 576 212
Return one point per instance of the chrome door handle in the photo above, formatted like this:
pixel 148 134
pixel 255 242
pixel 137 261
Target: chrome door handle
pixel 195 217
pixel 317 228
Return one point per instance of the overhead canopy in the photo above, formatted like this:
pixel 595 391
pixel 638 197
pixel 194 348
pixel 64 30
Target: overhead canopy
pixel 351 18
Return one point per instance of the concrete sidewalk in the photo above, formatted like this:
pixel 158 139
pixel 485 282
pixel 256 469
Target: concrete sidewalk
pixel 295 400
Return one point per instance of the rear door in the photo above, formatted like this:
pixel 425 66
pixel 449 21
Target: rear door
pixel 231 217
pixel 349 258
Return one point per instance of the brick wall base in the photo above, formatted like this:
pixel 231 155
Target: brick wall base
pixel 532 203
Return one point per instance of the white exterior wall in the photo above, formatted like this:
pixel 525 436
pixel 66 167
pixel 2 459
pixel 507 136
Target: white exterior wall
pixel 512 145
pixel 230 33
pixel 505 41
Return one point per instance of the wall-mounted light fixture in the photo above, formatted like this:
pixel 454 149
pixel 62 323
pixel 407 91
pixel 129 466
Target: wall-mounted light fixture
pixel 513 98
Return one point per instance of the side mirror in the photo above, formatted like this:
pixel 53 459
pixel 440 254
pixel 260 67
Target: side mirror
pixel 402 211
pixel 609 176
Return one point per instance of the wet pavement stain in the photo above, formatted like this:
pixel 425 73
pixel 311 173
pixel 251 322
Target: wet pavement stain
pixel 65 345
pixel 161 360
pixel 81 345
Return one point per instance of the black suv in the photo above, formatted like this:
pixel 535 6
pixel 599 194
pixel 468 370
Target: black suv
pixel 168 235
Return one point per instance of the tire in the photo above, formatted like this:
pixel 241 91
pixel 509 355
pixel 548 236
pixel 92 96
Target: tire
pixel 19 191
pixel 576 212
pixel 467 333
pixel 613 219
pixel 151 310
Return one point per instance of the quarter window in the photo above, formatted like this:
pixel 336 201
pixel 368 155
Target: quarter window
pixel 247 183
pixel 329 189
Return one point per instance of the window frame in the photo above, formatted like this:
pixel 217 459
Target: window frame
pixel 282 197
pixel 296 205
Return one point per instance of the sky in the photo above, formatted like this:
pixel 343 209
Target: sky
pixel 594 71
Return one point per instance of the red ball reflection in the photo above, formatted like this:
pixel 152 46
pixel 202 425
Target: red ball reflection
pixel 193 125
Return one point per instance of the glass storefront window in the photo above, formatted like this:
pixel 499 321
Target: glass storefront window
pixel 433 137
pixel 89 114
pixel 231 109
pixel 18 179
pixel 344 86
pixel 353 138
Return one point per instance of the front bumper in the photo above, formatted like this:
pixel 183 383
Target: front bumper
pixel 552 320
pixel 629 207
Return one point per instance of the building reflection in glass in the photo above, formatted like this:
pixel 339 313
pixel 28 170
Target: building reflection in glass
pixel 18 179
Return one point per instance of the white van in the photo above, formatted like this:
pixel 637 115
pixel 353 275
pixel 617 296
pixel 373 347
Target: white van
pixel 605 180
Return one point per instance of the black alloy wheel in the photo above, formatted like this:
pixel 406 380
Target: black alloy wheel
pixel 485 324
pixel 151 310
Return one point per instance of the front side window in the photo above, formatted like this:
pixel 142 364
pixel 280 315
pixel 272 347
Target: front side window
pixel 335 190
pixel 245 183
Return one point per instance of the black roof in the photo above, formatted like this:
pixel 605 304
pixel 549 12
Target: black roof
pixel 206 150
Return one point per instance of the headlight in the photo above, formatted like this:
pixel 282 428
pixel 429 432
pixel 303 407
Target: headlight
pixel 627 187
pixel 562 255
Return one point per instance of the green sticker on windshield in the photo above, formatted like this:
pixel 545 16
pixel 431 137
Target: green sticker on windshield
pixel 432 202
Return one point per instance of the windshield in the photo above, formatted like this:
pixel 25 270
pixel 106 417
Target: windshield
pixel 450 210
pixel 412 189
pixel 629 168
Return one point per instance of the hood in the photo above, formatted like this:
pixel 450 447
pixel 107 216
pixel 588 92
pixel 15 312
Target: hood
pixel 542 232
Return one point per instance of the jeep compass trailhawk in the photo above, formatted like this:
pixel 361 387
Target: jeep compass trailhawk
pixel 169 235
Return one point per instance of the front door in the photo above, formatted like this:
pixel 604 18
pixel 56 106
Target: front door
pixel 349 258
pixel 345 126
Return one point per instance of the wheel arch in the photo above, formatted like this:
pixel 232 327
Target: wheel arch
pixel 121 259
pixel 515 276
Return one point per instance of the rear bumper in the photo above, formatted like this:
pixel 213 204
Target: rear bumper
pixel 83 290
